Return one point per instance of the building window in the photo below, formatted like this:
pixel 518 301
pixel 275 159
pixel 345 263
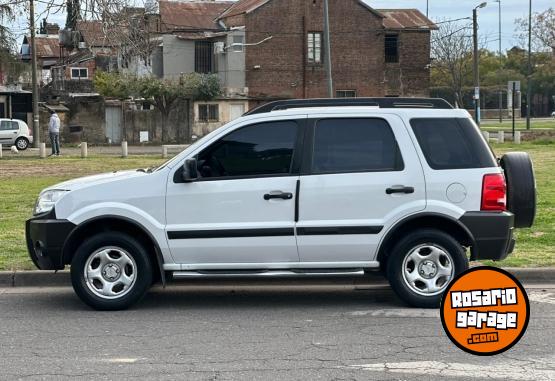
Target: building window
pixel 392 48
pixel 209 113
pixel 204 57
pixel 79 72
pixel 345 94
pixel 238 44
pixel 314 43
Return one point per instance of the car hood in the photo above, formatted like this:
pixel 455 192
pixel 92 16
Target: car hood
pixel 102 178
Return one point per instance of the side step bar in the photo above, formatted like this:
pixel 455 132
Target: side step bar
pixel 267 273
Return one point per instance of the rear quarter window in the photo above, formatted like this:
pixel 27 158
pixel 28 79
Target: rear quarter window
pixel 452 143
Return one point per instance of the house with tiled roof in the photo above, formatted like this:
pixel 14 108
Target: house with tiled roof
pixel 48 53
pixel 375 52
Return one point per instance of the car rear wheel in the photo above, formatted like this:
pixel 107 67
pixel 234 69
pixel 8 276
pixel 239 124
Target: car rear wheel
pixel 422 264
pixel 111 271
pixel 21 144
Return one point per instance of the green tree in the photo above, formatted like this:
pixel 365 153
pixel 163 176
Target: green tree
pixel 113 85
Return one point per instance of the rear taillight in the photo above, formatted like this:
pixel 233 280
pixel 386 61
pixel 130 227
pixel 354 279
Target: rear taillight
pixel 494 193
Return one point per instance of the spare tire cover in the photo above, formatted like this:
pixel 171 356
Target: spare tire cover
pixel 521 187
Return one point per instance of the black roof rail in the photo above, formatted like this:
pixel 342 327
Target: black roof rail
pixel 435 103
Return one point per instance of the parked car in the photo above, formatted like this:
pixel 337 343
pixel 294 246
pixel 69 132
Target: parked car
pixel 553 114
pixel 408 187
pixel 15 132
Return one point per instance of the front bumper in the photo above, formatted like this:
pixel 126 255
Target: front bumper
pixel 492 232
pixel 45 236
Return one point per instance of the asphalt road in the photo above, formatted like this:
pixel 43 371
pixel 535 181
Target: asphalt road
pixel 200 332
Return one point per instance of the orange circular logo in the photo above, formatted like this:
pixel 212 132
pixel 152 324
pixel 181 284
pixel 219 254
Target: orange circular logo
pixel 485 311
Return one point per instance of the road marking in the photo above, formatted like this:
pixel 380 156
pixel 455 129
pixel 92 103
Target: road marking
pixel 437 368
pixel 122 360
pixel 398 312
pixel 541 297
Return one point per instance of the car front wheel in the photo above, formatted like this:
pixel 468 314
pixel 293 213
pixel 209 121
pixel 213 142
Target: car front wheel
pixel 422 264
pixel 111 271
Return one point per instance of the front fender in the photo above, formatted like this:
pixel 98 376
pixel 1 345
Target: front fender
pixel 128 212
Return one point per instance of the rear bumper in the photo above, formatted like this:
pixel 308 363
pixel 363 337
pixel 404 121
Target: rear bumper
pixel 492 232
pixel 45 236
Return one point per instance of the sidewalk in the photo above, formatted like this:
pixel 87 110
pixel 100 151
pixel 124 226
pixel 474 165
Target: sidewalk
pixel 544 275
pixel 94 151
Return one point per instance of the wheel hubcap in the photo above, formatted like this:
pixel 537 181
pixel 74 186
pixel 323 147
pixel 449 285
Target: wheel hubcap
pixel 427 269
pixel 21 144
pixel 110 272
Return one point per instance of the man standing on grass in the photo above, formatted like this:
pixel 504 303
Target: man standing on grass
pixel 54 132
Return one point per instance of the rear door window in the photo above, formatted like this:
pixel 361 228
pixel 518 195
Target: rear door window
pixel 452 143
pixel 355 145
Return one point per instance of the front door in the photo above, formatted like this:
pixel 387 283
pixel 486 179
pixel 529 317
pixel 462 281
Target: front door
pixel 242 209
pixel 113 124
pixel 356 183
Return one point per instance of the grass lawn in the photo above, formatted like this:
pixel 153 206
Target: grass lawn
pixel 21 179
pixel 520 124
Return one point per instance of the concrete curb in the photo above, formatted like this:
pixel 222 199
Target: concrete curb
pixel 545 275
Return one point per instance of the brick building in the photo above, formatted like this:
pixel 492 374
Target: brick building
pixel 374 52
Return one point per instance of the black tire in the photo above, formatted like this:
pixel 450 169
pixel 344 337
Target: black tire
pixel 21 143
pixel 406 246
pixel 142 271
pixel 521 187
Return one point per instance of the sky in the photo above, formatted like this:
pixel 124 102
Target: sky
pixel 488 18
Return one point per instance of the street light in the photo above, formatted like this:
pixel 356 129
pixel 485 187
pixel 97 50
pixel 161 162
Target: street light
pixel 500 64
pixel 529 71
pixel 476 67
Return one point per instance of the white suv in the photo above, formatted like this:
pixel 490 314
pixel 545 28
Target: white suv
pixel 300 188
pixel 15 132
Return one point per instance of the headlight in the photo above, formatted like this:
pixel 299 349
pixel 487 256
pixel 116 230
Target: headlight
pixel 47 200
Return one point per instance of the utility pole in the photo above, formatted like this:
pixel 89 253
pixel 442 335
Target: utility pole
pixel 529 74
pixel 327 48
pixel 36 129
pixel 427 7
pixel 476 67
pixel 476 63
pixel 500 64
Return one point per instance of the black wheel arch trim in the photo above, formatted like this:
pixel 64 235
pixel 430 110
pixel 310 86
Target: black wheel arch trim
pixel 391 231
pixel 159 257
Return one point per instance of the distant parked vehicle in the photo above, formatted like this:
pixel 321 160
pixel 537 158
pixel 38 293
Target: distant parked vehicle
pixel 553 114
pixel 15 132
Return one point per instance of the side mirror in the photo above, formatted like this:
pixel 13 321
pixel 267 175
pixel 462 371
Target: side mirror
pixel 190 171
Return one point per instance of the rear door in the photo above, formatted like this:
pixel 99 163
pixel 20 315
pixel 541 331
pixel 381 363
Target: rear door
pixel 9 131
pixel 355 184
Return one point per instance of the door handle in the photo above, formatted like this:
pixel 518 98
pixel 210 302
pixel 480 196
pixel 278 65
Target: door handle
pixel 278 194
pixel 399 189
